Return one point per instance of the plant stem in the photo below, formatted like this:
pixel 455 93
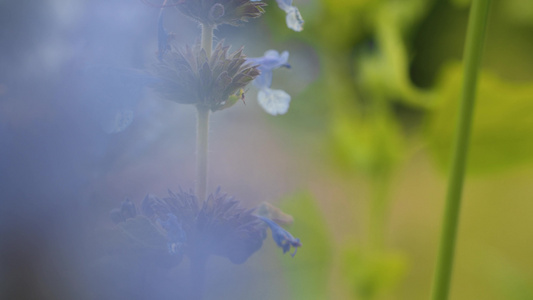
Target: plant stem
pixel 202 136
pixel 472 60
pixel 207 38
pixel 202 126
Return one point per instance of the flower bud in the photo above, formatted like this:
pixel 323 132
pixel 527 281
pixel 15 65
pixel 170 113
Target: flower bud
pixel 220 226
pixel 216 12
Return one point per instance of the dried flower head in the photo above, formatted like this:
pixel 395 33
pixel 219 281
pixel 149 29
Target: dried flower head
pixel 219 227
pixel 217 12
pixel 190 77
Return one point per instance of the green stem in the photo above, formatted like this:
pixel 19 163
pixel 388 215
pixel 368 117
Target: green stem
pixel 202 127
pixel 202 136
pixel 207 38
pixel 472 60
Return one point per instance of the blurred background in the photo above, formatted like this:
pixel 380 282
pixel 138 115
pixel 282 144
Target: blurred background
pixel 360 160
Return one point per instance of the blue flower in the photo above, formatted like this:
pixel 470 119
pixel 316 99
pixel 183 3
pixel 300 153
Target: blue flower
pixel 282 237
pixel 273 101
pixel 175 234
pixel 294 18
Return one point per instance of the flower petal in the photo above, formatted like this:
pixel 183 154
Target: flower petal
pixel 282 237
pixel 264 80
pixel 284 4
pixel 271 60
pixel 274 102
pixel 294 19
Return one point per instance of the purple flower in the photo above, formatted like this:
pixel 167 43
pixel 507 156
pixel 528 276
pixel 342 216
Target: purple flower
pixel 282 237
pixel 273 101
pixel 218 226
pixel 188 76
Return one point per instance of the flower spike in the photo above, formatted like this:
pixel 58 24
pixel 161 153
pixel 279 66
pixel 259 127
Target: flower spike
pixel 219 226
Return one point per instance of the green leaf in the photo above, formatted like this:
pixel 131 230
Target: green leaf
pixel 503 122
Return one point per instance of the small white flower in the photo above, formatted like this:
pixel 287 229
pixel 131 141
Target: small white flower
pixel 274 102
pixel 294 19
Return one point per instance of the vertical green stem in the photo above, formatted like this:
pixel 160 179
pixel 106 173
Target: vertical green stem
pixel 202 137
pixel 207 38
pixel 202 126
pixel 472 59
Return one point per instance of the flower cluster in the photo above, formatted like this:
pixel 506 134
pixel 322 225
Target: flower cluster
pixel 188 76
pixel 184 223
pixel 220 226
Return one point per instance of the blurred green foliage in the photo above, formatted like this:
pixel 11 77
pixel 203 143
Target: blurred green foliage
pixel 508 279
pixel 384 66
pixel 389 81
pixel 503 123
pixel 308 272
pixel 372 274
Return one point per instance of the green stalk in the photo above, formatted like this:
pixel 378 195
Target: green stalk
pixel 207 38
pixel 472 60
pixel 202 126
pixel 202 136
